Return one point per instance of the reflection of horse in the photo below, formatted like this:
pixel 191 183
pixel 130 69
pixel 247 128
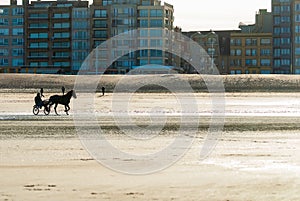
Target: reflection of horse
pixel 63 100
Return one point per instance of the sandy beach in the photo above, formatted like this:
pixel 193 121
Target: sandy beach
pixel 257 157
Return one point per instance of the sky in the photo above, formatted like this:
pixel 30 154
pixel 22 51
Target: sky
pixel 197 15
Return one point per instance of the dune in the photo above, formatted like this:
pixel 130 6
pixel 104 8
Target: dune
pixel 232 83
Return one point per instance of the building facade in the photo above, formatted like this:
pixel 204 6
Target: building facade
pixel 12 45
pixel 251 50
pixel 251 53
pixel 114 17
pixel 283 31
pixel 57 34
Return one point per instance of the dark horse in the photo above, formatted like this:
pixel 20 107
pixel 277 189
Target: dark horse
pixel 63 100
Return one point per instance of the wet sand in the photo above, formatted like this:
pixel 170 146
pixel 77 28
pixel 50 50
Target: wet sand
pixel 257 157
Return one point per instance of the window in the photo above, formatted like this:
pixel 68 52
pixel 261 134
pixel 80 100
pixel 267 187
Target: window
pixel 80 35
pixel 39 15
pixel 156 61
pixel 61 15
pixel 144 43
pixel 155 33
pixel 100 23
pixel 38 45
pixel 100 34
pixel 106 2
pixel 285 19
pixel 143 23
pixel 286 62
pixel 3 11
pixel 248 52
pixel 61 54
pixel 143 13
pixel 79 45
pixel 285 30
pixel 248 41
pixel 156 13
pixel 277 31
pixel 100 13
pixel 265 41
pixel 3 52
pixel 285 41
pixel 18 31
pixel 265 62
pixel 3 21
pixel 297 7
pixel 18 11
pixel 3 41
pixel 61 45
pixel 297 51
pixel 80 24
pixel 143 53
pixel 277 20
pixel 3 62
pixel 156 43
pixel 276 41
pixel 276 9
pixel 38 35
pixel 277 52
pixel 18 52
pixel 17 21
pixel 4 32
pixel 17 62
pixel 265 52
pixel 285 52
pixel 61 25
pixel 38 25
pixel 156 23
pixel 18 41
pixel 61 35
pixel 285 8
pixel 277 62
pixel 155 53
pixel 39 54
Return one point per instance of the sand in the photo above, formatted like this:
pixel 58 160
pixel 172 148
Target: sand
pixel 257 157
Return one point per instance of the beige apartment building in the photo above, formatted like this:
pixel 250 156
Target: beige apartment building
pixel 251 53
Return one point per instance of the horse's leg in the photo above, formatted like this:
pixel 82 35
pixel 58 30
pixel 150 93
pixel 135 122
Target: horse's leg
pixel 66 109
pixel 55 108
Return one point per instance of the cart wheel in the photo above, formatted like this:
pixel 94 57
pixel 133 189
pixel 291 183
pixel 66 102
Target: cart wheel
pixel 46 111
pixel 35 110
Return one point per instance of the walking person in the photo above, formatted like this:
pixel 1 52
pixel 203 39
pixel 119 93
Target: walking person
pixel 63 90
pixel 103 91
pixel 42 91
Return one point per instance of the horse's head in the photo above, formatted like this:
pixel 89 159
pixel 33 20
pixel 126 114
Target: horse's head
pixel 74 94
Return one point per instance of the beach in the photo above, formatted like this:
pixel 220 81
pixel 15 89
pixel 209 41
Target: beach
pixel 256 155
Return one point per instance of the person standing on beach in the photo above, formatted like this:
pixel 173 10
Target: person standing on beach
pixel 63 90
pixel 42 91
pixel 103 91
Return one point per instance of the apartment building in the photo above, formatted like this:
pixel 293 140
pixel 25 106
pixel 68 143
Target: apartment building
pixel 11 37
pixel 114 17
pixel 251 53
pixel 57 34
pixel 251 50
pixel 283 31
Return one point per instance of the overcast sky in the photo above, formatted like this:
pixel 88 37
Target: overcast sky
pixel 212 14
